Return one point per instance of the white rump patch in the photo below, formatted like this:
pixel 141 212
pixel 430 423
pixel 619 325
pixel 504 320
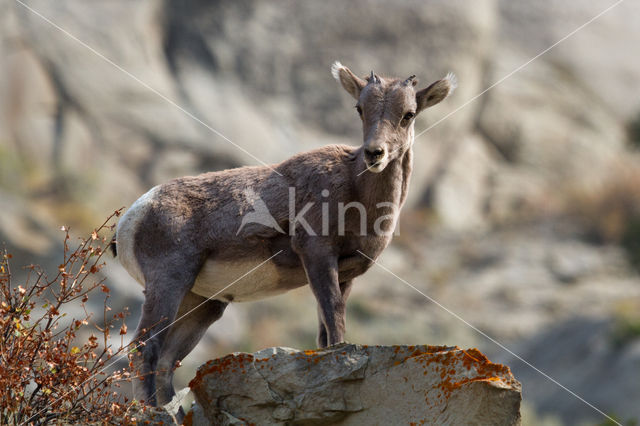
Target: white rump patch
pixel 126 231
pixel 335 70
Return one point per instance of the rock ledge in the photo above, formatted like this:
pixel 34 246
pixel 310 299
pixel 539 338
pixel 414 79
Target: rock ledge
pixel 352 384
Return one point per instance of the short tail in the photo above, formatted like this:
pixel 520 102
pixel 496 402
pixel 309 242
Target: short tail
pixel 114 246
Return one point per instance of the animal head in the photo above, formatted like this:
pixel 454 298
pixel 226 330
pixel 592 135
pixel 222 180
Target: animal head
pixel 388 108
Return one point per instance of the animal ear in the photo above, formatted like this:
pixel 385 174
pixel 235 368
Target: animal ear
pixel 351 83
pixel 436 93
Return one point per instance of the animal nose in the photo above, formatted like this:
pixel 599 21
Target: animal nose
pixel 375 153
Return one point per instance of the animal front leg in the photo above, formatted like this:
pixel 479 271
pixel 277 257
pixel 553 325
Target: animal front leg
pixel 322 273
pixel 345 289
pixel 321 340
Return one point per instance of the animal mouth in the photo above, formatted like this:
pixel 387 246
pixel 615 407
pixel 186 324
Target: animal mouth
pixel 375 167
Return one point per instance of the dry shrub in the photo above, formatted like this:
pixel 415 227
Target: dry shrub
pixel 48 373
pixel 610 213
pixel 633 131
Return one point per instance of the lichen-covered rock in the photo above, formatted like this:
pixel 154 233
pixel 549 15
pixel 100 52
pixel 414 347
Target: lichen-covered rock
pixel 353 385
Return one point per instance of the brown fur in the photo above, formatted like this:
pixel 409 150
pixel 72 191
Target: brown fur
pixel 192 220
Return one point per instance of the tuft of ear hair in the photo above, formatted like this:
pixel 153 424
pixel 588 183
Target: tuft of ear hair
pixel 453 81
pixel 349 81
pixel 335 70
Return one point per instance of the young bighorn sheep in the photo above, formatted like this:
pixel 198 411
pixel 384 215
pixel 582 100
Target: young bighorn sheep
pixel 186 240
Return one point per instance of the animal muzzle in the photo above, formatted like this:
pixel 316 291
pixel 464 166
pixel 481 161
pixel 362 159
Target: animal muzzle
pixel 374 157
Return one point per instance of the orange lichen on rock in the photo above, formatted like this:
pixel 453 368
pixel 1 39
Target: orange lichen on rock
pixel 446 379
pixel 421 350
pixel 459 367
pixel 188 419
pixel 232 362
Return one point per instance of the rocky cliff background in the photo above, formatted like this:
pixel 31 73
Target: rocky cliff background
pixel 524 209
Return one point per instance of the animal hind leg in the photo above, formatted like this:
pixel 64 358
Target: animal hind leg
pixel 183 336
pixel 163 296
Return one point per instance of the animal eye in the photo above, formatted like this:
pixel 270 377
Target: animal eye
pixel 359 109
pixel 408 116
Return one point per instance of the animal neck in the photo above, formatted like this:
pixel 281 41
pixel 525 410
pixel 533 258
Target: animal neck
pixel 390 185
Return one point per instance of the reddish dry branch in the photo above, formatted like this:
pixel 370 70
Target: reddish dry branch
pixel 47 373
